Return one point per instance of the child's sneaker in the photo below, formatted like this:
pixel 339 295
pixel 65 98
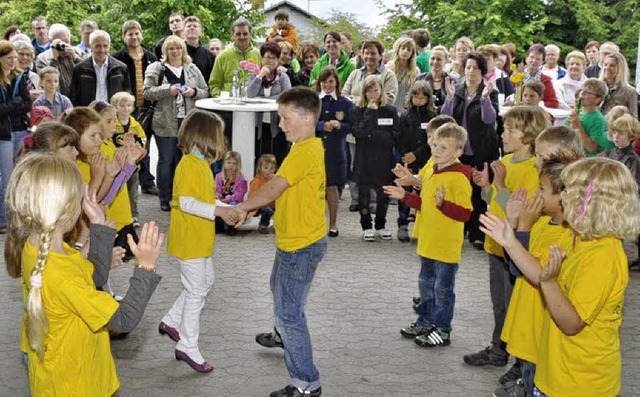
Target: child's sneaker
pixel 384 234
pixel 415 330
pixel 136 223
pixel 437 337
pixel 513 388
pixel 369 235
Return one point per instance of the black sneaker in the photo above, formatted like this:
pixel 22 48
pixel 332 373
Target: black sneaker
pixel 514 373
pixel 268 339
pixel 416 299
pixel 513 388
pixel 292 391
pixel 437 337
pixel 635 265
pixel 416 329
pixel 486 357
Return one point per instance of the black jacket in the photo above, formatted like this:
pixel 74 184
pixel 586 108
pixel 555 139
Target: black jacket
pixel 83 84
pixel 482 136
pixel 14 108
pixel 203 59
pixel 147 59
pixel 413 135
pixel 374 144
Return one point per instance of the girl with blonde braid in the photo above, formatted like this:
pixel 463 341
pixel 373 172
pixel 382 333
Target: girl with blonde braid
pixel 66 317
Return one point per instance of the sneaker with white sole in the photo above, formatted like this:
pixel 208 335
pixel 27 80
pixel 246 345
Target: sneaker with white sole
pixel 384 234
pixel 369 235
pixel 437 337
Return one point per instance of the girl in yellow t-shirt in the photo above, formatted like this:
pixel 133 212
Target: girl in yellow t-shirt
pixel 192 231
pixel 67 318
pixel 579 350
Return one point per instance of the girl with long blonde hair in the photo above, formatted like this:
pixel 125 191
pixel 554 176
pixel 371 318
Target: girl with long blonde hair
pixel 403 65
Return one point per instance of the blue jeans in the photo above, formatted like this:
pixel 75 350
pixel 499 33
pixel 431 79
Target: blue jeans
pixel 291 279
pixel 436 282
pixel 266 213
pixel 168 158
pixel 16 139
pixel 538 393
pixel 528 373
pixel 6 166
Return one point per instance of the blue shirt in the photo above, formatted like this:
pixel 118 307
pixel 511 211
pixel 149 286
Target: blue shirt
pixel 58 106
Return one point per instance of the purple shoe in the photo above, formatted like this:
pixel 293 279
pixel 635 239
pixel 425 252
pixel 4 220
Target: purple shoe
pixel 205 367
pixel 173 333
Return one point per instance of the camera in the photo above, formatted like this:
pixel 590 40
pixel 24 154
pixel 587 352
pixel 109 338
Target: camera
pixel 60 47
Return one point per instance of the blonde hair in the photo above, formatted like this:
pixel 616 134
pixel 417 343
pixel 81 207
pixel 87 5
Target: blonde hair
pixel 202 130
pixel 575 54
pixel 489 50
pixel 531 120
pixel 622 77
pixel 44 195
pixel 369 82
pixel 601 199
pixel 235 156
pixel 614 113
pixel 598 87
pixel 121 97
pixel 180 43
pixel 452 131
pixel 266 158
pixel 625 124
pixel 564 141
pixel 410 66
pixel 438 122
pixel 420 87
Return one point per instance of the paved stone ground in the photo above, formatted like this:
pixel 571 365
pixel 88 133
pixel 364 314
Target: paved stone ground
pixel 360 298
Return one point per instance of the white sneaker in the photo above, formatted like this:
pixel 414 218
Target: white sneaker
pixel 369 235
pixel 384 234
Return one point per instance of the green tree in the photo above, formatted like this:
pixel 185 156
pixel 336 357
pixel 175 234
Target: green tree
pixel 216 15
pixel 343 22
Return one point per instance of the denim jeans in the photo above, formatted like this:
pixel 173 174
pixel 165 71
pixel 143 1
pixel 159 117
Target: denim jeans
pixel 168 158
pixel 404 210
pixel 436 283
pixel 501 285
pixel 528 373
pixel 16 139
pixel 6 166
pixel 266 213
pixel 538 393
pixel 291 279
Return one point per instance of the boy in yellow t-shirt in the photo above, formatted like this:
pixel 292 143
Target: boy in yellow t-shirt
pixel 517 169
pixel 445 203
pixel 127 130
pixel 298 189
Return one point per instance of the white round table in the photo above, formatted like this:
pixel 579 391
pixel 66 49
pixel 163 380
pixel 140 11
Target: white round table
pixel 244 125
pixel 559 115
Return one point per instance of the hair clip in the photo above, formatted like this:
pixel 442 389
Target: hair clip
pixel 36 281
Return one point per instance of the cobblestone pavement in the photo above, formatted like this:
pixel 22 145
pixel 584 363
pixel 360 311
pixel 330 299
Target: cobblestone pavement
pixel 360 298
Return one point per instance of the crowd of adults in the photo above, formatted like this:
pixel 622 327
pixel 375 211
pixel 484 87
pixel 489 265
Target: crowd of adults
pixel 180 69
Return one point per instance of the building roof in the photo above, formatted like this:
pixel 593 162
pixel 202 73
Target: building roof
pixel 292 6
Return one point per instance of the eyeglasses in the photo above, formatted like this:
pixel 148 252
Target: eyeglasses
pixel 272 58
pixel 590 93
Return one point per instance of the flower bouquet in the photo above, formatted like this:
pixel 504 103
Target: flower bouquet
pixel 517 78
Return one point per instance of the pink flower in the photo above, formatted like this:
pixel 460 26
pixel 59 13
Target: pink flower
pixel 250 66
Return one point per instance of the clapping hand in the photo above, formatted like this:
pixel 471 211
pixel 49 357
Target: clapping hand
pixel 440 193
pixel 487 90
pixel 408 158
pixel 450 87
pixel 497 229
pixel 552 268
pixel 499 174
pixel 532 211
pixel 481 178
pixel 97 168
pixel 91 208
pixel 396 192
pixel 516 203
pixel 147 250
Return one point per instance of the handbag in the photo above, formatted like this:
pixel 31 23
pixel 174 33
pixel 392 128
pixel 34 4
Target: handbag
pixel 145 118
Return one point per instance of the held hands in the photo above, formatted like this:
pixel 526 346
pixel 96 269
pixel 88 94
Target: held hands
pixel 408 158
pixel 552 268
pixel 516 203
pixel 497 229
pixel 148 249
pixel 396 192
pixel 450 87
pixel 240 215
pixel 440 193
pixel 481 178
pixel 499 174
pixel 487 90
pixel 227 214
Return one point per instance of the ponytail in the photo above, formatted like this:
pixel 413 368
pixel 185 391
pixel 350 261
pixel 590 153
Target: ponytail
pixel 37 324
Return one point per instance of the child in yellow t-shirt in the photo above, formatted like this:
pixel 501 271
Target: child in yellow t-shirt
pixel 521 331
pixel 67 319
pixel 445 203
pixel 579 350
pixel 192 231
pixel 128 130
pixel 522 125
pixel 301 229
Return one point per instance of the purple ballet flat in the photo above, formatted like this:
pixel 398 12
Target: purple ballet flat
pixel 173 333
pixel 205 367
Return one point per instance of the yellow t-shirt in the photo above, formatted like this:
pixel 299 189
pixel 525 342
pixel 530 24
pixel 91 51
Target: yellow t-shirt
pixel 120 208
pixel 522 323
pixel 191 236
pixel 300 220
pixel 593 277
pixel 77 360
pixel 521 174
pixel 441 237
pixel 425 173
